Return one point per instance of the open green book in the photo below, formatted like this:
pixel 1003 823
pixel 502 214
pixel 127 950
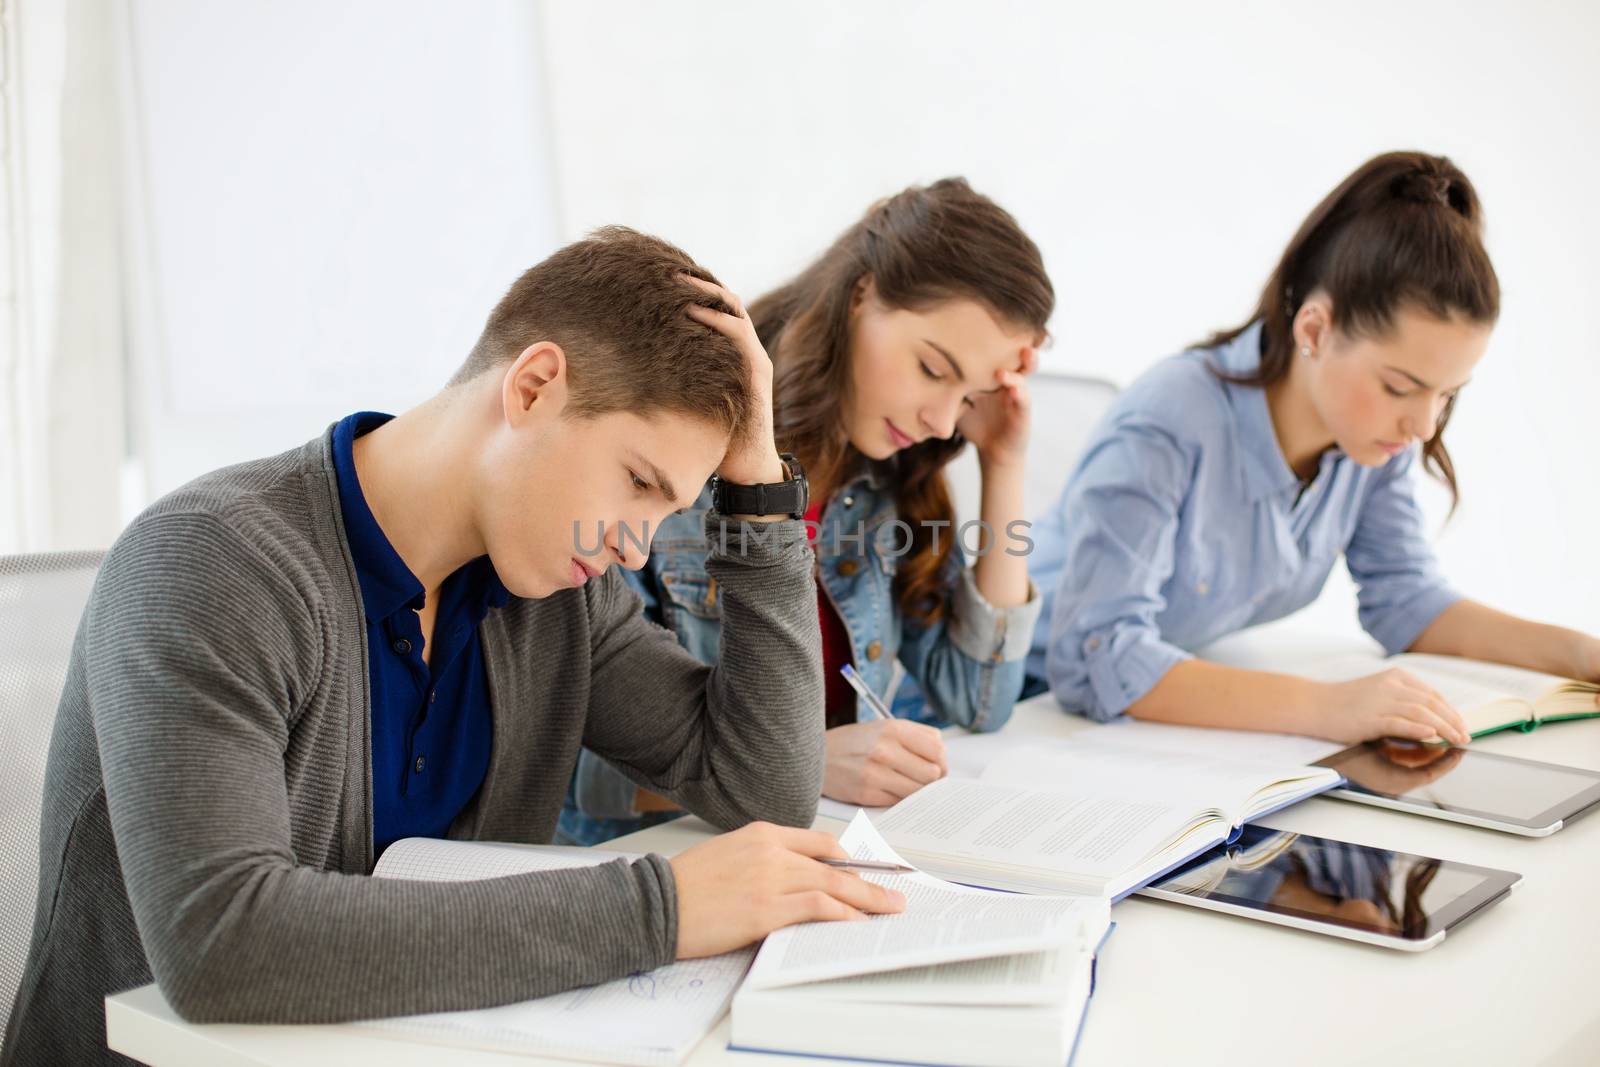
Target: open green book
pixel 1490 697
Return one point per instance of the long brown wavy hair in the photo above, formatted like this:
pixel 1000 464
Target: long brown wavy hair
pixel 1404 230
pixel 920 247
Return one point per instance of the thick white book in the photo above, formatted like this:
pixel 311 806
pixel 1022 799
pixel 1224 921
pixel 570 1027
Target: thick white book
pixel 1091 814
pixel 963 976
pixel 651 1018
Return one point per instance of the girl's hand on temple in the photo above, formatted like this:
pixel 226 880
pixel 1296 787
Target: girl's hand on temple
pixel 1393 703
pixel 877 763
pixel 997 422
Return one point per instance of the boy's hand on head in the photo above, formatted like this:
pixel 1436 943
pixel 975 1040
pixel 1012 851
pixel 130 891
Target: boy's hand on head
pixel 753 458
pixel 741 886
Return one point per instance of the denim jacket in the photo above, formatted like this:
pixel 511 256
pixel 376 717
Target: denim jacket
pixel 967 666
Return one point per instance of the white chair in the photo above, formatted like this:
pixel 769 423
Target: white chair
pixel 41 599
pixel 1066 408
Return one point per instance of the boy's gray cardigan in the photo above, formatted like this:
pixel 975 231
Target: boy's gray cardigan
pixel 208 810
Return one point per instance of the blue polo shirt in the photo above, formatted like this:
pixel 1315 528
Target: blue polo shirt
pixel 431 727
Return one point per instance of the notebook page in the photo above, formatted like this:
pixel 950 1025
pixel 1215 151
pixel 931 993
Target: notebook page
pixel 650 1018
pixel 942 923
pixel 653 1018
pixel 428 859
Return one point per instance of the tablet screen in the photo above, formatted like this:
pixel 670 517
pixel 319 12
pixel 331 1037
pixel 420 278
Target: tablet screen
pixel 1468 781
pixel 1396 894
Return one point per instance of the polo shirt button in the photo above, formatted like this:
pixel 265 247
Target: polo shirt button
pixel 402 646
pixel 848 501
pixel 1092 644
pixel 874 650
pixel 421 762
pixel 433 696
pixel 848 567
pixel 1202 588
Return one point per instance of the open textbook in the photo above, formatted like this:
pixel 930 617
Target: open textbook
pixel 962 976
pixel 653 1018
pixel 1092 814
pixel 1490 697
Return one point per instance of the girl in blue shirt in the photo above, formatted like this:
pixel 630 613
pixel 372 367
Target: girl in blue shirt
pixel 905 340
pixel 1226 482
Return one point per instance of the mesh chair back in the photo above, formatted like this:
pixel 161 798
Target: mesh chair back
pixel 41 600
pixel 1066 409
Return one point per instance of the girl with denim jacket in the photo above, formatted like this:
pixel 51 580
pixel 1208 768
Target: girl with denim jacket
pixel 908 339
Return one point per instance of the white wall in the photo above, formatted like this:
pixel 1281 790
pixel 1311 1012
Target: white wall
pixel 325 200
pixel 61 416
pixel 1161 153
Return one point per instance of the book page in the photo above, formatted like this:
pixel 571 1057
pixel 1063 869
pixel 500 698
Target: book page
pixel 1548 694
pixel 1476 679
pixel 1150 767
pixel 1254 747
pixel 649 1017
pixel 1027 978
pixel 1080 832
pixel 942 923
pixel 1485 695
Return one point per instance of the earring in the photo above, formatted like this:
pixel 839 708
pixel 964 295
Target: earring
pixel 1305 350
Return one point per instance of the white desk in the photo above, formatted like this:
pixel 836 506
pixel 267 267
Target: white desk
pixel 1518 984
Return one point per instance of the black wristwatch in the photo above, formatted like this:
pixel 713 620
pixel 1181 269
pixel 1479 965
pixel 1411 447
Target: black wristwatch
pixel 789 497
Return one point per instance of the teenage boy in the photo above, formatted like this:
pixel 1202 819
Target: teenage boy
pixel 409 626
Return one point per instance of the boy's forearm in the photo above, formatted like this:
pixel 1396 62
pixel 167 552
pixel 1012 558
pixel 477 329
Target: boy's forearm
pixel 767 690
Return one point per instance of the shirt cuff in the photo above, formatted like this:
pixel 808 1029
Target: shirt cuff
pixel 1123 666
pixel 1400 627
pixel 989 634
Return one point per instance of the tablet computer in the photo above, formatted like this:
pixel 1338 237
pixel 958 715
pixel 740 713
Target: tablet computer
pixel 1519 796
pixel 1377 896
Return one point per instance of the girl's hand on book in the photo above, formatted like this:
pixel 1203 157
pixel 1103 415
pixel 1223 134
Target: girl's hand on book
pixel 877 763
pixel 1588 659
pixel 738 887
pixel 1392 703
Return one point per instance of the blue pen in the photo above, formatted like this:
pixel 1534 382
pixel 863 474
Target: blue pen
pixel 868 698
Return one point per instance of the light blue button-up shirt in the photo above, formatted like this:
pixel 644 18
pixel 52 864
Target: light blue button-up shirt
pixel 1184 523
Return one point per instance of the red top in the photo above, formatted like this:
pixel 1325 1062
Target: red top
pixel 840 698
